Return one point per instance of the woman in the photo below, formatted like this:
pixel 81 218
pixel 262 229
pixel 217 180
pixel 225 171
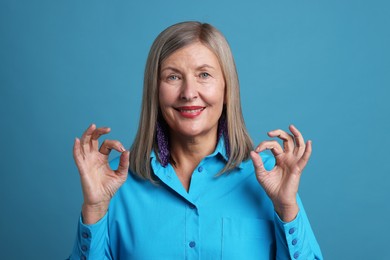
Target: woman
pixel 192 187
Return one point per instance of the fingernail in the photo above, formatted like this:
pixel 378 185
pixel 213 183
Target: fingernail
pixel 123 149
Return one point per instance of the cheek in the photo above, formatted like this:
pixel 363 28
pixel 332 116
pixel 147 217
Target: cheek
pixel 164 95
pixel 166 98
pixel 218 96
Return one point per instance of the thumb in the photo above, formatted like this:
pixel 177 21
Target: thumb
pixel 257 162
pixel 123 163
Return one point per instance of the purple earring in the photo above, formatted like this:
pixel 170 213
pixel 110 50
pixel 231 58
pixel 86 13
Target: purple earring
pixel 162 143
pixel 223 131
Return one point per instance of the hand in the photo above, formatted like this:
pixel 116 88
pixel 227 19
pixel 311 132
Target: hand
pixel 99 183
pixel 281 183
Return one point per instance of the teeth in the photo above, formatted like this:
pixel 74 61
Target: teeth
pixel 191 111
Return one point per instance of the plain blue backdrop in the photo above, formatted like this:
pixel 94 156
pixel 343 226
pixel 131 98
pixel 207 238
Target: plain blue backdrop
pixel 322 65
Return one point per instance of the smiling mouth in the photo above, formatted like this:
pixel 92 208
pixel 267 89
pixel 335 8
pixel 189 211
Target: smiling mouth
pixel 190 112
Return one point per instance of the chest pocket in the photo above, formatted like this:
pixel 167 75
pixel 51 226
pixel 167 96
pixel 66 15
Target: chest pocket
pixel 244 238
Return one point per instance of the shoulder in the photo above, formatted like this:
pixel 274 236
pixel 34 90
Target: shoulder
pixel 133 185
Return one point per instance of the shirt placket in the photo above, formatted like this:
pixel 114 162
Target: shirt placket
pixel 192 243
pixel 198 184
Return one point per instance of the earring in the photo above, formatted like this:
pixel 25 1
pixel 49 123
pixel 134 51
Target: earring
pixel 223 132
pixel 162 143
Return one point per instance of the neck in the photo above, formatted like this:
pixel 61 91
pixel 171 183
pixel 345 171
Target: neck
pixel 192 149
pixel 187 154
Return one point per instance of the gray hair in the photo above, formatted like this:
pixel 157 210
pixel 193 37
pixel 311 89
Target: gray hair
pixel 167 42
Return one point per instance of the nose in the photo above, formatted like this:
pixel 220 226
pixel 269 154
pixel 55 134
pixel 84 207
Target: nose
pixel 189 90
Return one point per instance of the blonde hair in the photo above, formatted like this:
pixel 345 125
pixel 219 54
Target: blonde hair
pixel 167 42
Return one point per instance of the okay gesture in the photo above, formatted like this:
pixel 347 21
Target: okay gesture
pixel 98 181
pixel 282 182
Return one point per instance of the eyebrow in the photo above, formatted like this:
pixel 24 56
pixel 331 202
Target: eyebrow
pixel 169 68
pixel 201 67
pixel 205 66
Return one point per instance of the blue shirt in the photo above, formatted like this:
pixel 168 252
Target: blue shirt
pixel 221 217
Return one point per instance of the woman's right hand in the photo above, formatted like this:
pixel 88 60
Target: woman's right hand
pixel 99 182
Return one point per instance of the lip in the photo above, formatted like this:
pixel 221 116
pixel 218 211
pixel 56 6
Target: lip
pixel 190 111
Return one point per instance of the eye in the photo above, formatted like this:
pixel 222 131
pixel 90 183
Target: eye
pixel 173 77
pixel 204 75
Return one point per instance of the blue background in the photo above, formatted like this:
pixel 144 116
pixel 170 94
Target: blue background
pixel 322 65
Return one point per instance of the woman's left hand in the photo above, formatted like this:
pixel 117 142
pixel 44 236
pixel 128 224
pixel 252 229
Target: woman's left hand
pixel 281 183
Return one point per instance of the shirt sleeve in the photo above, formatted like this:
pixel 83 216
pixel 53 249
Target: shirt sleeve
pixel 295 239
pixel 92 241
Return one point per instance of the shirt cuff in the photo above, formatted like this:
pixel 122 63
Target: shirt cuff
pixel 92 240
pixel 295 238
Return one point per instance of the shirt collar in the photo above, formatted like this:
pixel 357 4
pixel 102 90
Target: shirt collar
pixel 220 149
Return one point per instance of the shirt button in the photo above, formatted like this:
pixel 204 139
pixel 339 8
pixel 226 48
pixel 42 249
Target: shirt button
pixel 291 231
pixel 85 235
pixel 294 242
pixel 192 244
pixel 296 255
pixel 200 169
pixel 84 248
pixel 83 257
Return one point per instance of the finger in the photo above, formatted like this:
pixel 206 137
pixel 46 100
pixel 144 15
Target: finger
pixel 77 151
pixel 299 141
pixel 288 140
pixel 86 137
pixel 97 134
pixel 302 162
pixel 123 167
pixel 257 162
pixel 272 145
pixel 108 145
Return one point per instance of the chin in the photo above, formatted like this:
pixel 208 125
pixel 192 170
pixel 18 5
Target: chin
pixel 196 132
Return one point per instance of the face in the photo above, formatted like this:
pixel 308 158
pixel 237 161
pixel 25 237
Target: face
pixel 192 91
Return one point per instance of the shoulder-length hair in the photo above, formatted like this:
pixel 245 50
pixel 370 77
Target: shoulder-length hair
pixel 167 42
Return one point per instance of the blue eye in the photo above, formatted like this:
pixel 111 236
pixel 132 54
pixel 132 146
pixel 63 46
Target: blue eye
pixel 173 77
pixel 204 75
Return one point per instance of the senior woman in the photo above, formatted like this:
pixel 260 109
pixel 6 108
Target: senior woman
pixel 192 186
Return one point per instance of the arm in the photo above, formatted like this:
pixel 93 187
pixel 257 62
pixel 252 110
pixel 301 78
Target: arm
pixel 294 236
pixel 92 241
pixel 295 239
pixel 99 184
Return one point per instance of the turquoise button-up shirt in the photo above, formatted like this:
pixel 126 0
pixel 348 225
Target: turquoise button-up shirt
pixel 221 217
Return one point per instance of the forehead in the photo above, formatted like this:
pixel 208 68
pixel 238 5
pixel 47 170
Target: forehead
pixel 194 54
